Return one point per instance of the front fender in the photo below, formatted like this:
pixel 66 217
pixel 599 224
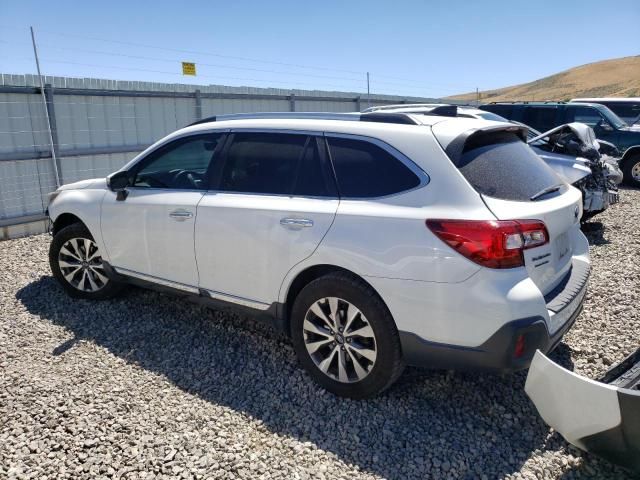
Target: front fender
pixel 630 152
pixel 84 204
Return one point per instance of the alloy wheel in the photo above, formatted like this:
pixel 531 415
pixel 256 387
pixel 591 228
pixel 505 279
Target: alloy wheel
pixel 339 340
pixel 81 265
pixel 635 171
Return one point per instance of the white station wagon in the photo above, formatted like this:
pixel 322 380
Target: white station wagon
pixel 373 240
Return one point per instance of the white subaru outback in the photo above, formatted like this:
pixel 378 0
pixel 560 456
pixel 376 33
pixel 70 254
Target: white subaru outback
pixel 374 240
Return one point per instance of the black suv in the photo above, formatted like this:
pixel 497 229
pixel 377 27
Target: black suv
pixel 607 125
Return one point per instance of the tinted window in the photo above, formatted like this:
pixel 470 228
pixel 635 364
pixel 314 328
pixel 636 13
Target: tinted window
pixel 366 170
pixel 502 110
pixel 182 164
pixel 587 115
pixel 540 117
pixel 503 166
pixel 274 163
pixel 627 111
pixel 314 177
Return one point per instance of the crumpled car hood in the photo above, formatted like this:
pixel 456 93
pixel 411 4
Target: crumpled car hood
pixel 584 132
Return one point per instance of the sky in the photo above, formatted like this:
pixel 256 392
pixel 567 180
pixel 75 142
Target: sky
pixel 410 47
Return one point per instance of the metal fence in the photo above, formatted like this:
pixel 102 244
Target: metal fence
pixel 98 125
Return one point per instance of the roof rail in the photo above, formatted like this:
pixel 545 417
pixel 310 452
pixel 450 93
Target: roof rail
pixel 399 118
pixel 399 105
pixel 524 102
pixel 439 109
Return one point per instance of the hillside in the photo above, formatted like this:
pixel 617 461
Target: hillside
pixel 619 77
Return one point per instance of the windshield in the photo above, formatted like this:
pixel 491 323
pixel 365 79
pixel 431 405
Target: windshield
pixel 612 118
pixel 491 116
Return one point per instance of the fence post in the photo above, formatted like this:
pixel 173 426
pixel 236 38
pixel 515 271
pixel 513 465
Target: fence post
pixel 358 103
pixel 198 98
pixel 48 98
pixel 292 102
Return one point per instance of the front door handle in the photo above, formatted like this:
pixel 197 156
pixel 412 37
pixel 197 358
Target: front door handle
pixel 181 215
pixel 296 223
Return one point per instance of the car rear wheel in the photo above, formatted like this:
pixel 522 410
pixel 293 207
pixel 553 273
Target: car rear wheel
pixel 631 170
pixel 345 337
pixel 76 262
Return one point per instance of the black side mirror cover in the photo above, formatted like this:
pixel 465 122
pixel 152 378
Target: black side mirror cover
pixel 118 181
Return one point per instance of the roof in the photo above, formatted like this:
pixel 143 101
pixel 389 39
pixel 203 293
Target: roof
pixel 607 99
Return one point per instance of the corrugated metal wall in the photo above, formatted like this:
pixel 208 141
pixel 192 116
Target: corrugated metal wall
pixel 99 125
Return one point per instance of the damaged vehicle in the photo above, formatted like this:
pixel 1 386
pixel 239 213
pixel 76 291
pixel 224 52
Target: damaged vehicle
pixel 599 416
pixel 571 150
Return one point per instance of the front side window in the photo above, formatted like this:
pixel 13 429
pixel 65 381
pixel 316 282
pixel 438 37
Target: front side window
pixel 181 164
pixel 365 170
pixel 276 164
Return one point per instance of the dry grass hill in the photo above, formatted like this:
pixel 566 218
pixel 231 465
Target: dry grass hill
pixel 619 77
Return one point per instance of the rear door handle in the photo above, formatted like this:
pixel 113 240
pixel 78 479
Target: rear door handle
pixel 295 223
pixel 181 215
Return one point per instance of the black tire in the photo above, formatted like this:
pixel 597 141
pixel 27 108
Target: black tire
pixel 108 289
pixel 627 167
pixel 388 364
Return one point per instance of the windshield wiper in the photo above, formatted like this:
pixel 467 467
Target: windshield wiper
pixel 544 191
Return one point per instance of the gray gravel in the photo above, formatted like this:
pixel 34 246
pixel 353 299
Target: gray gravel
pixel 148 386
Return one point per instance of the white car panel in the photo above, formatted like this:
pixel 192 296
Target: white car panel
pixel 151 232
pixel 245 244
pixel 82 199
pixel 548 263
pixel 575 406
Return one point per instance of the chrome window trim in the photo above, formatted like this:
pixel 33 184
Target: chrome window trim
pixel 226 297
pixel 156 146
pixel 158 280
pixel 191 289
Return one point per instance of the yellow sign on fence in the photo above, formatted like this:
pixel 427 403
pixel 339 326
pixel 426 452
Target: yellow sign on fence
pixel 188 68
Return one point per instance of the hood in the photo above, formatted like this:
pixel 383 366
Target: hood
pixel 571 139
pixel 82 184
pixel 584 134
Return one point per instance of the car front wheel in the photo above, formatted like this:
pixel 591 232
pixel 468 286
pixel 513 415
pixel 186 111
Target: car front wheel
pixel 345 337
pixel 631 170
pixel 76 262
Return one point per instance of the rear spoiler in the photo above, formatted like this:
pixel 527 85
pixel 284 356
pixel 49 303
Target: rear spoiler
pixel 456 147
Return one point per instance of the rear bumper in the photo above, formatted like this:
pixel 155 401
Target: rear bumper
pixel 602 417
pixel 513 345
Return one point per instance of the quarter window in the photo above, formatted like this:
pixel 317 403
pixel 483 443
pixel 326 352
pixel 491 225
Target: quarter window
pixel 367 170
pixel 181 165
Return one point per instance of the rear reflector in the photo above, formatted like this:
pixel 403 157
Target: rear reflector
pixel 491 243
pixel 518 351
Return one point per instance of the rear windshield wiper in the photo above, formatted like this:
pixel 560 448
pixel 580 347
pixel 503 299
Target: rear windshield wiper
pixel 544 191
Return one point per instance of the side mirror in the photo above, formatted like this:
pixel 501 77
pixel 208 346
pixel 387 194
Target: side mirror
pixel 604 125
pixel 118 182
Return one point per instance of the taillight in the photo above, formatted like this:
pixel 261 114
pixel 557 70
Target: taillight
pixel 491 243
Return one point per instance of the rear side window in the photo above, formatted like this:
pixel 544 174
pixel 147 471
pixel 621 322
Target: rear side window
pixel 275 163
pixel 587 115
pixel 505 111
pixel 541 118
pixel 365 170
pixel 502 166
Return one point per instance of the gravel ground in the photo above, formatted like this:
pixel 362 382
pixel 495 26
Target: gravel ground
pixel 147 386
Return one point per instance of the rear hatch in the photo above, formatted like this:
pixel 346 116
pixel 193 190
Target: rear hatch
pixel 516 184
